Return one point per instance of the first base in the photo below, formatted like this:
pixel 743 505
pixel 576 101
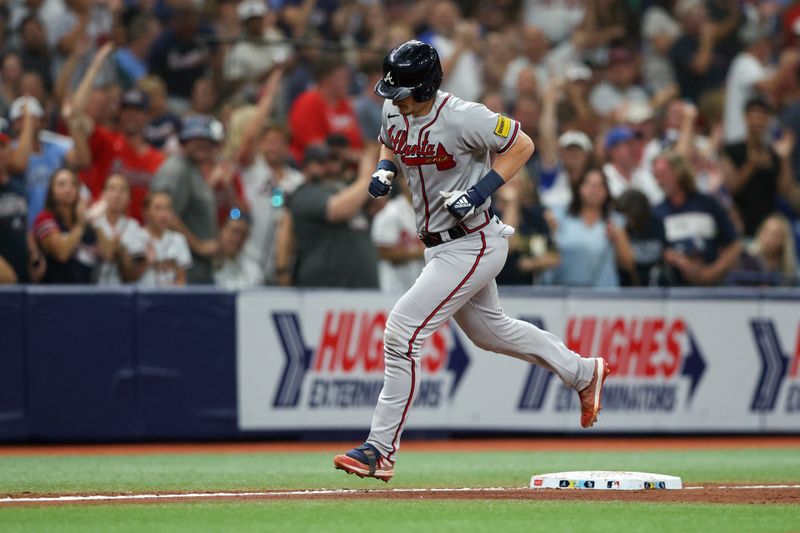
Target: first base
pixel 604 480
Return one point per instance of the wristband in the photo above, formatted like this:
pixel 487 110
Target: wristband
pixel 485 187
pixel 385 164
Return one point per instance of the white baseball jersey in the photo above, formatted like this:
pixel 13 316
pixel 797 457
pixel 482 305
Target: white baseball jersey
pixel 449 149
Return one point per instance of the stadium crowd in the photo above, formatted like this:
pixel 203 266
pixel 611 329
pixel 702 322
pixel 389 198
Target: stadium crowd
pixel 169 142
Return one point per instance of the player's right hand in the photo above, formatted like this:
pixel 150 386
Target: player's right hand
pixel 381 182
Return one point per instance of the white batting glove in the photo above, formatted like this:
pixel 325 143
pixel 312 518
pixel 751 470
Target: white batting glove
pixel 459 203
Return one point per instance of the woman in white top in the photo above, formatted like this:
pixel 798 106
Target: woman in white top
pixel 167 252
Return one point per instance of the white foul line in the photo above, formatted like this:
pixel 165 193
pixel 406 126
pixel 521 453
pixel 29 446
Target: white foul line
pixel 182 495
pixel 318 492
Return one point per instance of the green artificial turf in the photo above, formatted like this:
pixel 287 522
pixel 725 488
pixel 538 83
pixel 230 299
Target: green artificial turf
pixel 268 471
pixel 262 471
pixel 403 516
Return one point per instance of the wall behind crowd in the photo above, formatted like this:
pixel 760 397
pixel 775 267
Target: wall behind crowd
pixel 178 141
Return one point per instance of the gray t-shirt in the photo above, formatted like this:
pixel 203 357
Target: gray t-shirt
pixel 194 203
pixel 330 254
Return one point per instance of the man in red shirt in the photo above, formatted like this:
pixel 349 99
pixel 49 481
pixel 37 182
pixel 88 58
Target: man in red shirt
pixel 324 109
pixel 125 152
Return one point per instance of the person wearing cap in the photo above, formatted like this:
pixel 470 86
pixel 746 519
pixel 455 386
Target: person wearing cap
pixel 124 152
pixel 324 109
pixel 259 50
pixel 623 170
pixel 193 200
pixel 333 247
pixel 619 85
pixel 750 75
pixel 759 172
pixel 34 158
pixel 563 160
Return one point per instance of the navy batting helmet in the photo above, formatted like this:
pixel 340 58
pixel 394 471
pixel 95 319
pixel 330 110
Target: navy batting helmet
pixel 412 68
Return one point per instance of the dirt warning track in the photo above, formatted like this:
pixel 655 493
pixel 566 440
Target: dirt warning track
pixel 712 494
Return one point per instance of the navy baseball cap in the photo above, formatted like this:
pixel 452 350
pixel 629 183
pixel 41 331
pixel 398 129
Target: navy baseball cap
pixel 201 127
pixel 135 99
pixel 618 134
pixel 316 153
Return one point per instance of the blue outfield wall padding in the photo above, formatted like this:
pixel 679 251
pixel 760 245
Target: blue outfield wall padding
pixel 13 414
pixel 81 384
pixel 186 345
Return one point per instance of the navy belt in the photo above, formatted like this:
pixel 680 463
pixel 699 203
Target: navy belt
pixel 456 232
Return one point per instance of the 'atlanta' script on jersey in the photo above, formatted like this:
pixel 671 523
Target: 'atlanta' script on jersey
pixel 424 153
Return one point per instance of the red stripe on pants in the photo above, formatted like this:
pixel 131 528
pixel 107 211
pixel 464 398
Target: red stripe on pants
pixel 414 337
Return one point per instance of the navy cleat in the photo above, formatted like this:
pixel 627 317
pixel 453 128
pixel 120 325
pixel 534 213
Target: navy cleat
pixel 365 461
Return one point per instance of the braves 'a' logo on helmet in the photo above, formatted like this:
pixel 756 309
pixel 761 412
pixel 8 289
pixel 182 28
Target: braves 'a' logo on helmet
pixel 388 79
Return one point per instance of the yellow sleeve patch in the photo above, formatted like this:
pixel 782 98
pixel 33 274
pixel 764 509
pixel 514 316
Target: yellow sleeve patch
pixel 503 127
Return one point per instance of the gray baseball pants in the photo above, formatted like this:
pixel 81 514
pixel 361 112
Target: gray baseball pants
pixel 458 281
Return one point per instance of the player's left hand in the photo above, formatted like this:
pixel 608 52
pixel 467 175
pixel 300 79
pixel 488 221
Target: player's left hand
pixel 460 204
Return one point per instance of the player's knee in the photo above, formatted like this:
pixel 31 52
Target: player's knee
pixel 395 341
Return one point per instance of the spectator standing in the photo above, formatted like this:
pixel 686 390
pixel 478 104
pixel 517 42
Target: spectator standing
pixel 646 234
pixel 268 182
pixel 756 170
pixel 457 41
pixel 748 76
pixel 34 50
pixel 702 245
pixel 125 236
pixel 592 242
pixel 125 153
pixel 10 80
pixel 20 259
pixel 368 105
pixel 193 200
pixel 164 126
pixel 659 30
pixel 324 109
pixel 699 66
pixel 70 244
pixel 534 56
pixel 131 59
pixel 259 50
pixel 623 170
pixel 34 158
pixel 179 57
pixel 167 254
pixel 267 179
pixel 619 86
pixel 333 243
pixel 394 233
pixel 556 18
pixel 232 268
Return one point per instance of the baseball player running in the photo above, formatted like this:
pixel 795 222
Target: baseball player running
pixel 455 154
